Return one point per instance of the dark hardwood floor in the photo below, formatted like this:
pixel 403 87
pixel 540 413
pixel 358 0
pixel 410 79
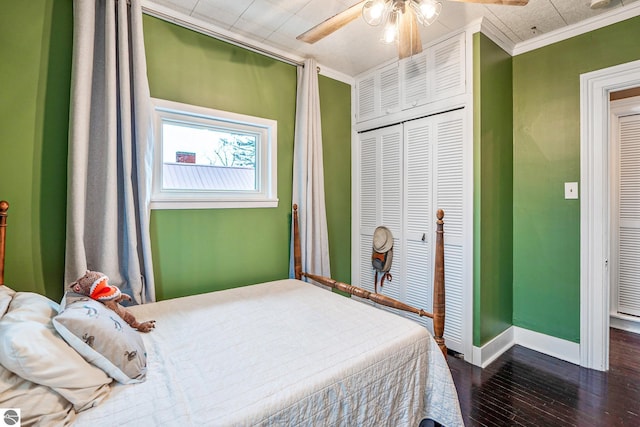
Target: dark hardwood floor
pixel 527 388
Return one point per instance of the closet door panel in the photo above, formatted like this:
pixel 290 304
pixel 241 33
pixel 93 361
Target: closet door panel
pixel 391 180
pixel 391 185
pixel 449 181
pixel 366 270
pixel 447 68
pixel 367 97
pixel 419 291
pixel 453 297
pixel 418 183
pixel 629 271
pixel 389 90
pixel 629 216
pixel 419 223
pixel 368 182
pixel 394 287
pixel 449 196
pixel 380 197
pixel 414 81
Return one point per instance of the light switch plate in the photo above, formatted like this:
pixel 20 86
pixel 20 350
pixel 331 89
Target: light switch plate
pixel 570 190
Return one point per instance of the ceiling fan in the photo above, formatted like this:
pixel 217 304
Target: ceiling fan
pixel 400 19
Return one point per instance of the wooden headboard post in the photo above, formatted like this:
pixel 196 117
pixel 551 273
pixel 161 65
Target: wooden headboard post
pixel 297 252
pixel 4 207
pixel 438 285
pixel 438 282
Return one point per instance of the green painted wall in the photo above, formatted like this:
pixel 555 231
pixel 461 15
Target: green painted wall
pixel 202 250
pixel 194 251
pixel 493 190
pixel 335 103
pixel 546 118
pixel 35 70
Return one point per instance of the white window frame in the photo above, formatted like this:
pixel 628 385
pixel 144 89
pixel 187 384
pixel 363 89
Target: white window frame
pixel 265 195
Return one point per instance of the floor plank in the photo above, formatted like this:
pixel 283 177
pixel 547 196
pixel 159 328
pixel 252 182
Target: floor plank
pixel 527 388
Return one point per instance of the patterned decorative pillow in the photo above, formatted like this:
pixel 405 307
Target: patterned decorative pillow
pixel 102 338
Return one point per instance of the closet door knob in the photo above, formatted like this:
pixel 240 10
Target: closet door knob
pixel 424 237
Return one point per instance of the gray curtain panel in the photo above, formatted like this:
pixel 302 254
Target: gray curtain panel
pixel 110 149
pixel 308 175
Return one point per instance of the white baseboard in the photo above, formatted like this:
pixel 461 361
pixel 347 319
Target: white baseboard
pixel 483 356
pixel 552 346
pixel 630 324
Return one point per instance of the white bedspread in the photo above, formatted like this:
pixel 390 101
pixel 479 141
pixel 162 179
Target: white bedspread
pixel 282 353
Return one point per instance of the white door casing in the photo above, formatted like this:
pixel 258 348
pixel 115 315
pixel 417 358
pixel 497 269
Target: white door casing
pixel 595 88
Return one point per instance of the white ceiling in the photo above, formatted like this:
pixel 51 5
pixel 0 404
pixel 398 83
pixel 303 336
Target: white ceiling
pixel 356 47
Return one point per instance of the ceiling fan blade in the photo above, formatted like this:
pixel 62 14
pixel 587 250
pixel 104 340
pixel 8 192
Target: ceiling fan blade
pixel 502 2
pixel 332 24
pixel 408 35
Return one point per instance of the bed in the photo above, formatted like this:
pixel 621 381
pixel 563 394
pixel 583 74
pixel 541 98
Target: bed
pixel 280 353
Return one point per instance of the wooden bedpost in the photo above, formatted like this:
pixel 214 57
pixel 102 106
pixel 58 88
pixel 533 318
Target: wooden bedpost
pixel 438 282
pixel 4 207
pixel 438 286
pixel 297 252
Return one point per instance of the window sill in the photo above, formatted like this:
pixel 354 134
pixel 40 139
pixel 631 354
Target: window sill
pixel 213 204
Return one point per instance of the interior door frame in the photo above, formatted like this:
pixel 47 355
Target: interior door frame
pixel 621 108
pixel 595 128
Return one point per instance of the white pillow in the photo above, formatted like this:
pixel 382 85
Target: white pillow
pixel 31 348
pixel 6 294
pixel 102 338
pixel 38 404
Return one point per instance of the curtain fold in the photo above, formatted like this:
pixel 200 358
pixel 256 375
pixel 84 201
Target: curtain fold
pixel 308 175
pixel 110 149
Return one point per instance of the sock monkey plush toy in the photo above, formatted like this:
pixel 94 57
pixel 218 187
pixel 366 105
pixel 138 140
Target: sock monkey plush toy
pixel 96 286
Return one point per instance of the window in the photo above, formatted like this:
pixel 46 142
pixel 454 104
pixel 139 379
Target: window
pixel 207 158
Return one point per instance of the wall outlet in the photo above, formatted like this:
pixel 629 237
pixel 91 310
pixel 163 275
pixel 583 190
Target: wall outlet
pixel 570 190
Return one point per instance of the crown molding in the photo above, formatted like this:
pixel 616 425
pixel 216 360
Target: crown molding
pixel 208 29
pixel 487 28
pixel 612 17
pixel 483 25
pixel 336 75
pixel 498 37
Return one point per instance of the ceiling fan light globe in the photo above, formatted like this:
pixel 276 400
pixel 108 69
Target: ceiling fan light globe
pixel 427 11
pixel 389 35
pixel 390 32
pixel 373 12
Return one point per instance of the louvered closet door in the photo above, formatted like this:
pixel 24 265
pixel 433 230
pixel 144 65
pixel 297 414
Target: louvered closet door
pixel 389 90
pixel 419 226
pixel 445 72
pixel 629 216
pixel 414 81
pixel 448 187
pixel 391 203
pixel 407 172
pixel 380 195
pixel 367 99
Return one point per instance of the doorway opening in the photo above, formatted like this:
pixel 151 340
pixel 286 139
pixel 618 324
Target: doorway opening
pixel 624 148
pixel 595 128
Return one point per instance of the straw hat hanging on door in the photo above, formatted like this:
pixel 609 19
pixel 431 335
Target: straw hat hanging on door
pixel 382 255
